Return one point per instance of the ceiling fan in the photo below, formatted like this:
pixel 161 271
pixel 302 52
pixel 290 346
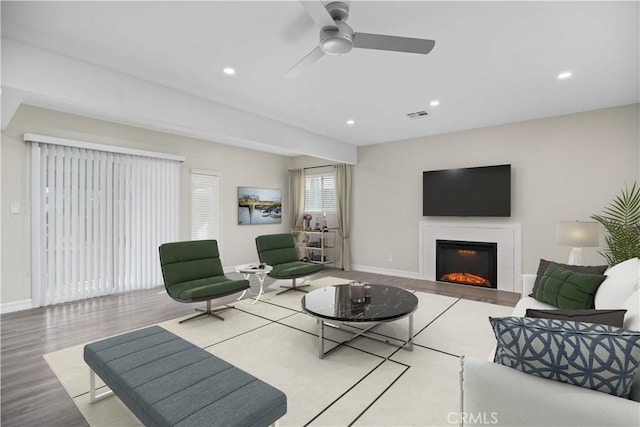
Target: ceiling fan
pixel 337 38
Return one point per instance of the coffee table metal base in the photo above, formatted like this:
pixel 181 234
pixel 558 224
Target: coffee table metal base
pixel 357 332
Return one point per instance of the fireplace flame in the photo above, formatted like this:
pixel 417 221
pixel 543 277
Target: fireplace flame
pixel 466 278
pixel 466 252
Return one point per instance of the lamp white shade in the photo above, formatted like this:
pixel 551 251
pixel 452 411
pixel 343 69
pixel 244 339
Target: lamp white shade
pixel 578 234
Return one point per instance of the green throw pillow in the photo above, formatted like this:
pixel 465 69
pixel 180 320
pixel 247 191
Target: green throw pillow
pixel 544 264
pixel 564 288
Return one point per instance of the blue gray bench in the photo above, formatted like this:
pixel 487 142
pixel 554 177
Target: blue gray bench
pixel 167 381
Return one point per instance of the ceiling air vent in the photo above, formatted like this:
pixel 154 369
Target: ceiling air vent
pixel 417 114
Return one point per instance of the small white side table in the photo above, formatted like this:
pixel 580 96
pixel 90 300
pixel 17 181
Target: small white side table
pixel 248 270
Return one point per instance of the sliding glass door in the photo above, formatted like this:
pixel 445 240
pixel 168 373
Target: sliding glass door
pixel 98 218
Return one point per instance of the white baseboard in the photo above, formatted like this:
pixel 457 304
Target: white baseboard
pixel 15 306
pixel 385 271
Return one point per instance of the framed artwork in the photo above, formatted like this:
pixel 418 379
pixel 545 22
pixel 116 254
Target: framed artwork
pixel 259 206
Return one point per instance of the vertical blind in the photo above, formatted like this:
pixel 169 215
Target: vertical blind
pixel 98 219
pixel 320 192
pixel 205 205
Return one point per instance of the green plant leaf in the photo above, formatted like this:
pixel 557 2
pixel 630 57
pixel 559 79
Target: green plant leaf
pixel 621 221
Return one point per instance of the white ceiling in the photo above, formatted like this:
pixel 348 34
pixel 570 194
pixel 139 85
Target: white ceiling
pixel 493 62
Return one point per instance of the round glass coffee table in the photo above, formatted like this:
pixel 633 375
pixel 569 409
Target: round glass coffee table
pixel 333 307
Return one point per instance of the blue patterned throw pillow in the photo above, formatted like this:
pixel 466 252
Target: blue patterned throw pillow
pixel 599 357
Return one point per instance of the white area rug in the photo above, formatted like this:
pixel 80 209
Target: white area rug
pixel 364 383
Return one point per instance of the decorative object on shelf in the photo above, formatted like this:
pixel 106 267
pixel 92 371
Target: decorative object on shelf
pixel 307 221
pixel 621 220
pixel 578 235
pixel 356 291
pixel 259 206
pixel 324 221
pixel 317 223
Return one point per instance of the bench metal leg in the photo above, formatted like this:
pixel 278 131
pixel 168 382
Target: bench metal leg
pixel 92 385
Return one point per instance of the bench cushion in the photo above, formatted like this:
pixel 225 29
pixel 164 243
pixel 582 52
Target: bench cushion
pixel 167 381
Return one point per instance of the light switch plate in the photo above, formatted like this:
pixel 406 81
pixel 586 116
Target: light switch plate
pixel 15 207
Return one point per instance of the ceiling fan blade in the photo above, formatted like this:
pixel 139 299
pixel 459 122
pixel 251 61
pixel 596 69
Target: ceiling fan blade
pixel 311 57
pixel 393 43
pixel 297 28
pixel 319 14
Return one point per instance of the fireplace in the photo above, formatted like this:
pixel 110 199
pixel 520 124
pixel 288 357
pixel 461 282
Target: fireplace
pixel 505 233
pixel 467 263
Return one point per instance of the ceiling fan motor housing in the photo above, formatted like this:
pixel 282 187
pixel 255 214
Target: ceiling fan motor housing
pixel 336 41
pixel 338 10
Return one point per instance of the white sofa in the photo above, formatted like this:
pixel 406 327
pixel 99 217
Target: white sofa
pixel 493 394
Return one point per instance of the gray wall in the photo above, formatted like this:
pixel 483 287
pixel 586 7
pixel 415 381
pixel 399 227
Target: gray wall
pixel 237 166
pixel 564 168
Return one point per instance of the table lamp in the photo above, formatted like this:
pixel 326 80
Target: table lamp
pixel 578 235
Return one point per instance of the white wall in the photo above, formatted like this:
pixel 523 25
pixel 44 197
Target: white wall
pixel 45 79
pixel 238 167
pixel 564 168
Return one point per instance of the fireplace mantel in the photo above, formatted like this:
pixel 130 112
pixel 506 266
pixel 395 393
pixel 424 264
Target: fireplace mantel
pixel 506 234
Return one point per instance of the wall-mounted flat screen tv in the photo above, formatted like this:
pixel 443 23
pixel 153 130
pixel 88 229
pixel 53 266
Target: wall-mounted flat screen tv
pixel 480 191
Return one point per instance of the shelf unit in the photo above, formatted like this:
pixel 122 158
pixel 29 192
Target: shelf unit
pixel 317 246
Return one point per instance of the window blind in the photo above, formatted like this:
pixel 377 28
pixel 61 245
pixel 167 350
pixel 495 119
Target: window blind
pixel 98 218
pixel 205 205
pixel 320 192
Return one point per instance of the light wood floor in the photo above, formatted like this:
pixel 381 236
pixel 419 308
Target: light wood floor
pixel 32 396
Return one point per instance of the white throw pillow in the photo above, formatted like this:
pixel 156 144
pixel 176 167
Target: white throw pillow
pixel 622 280
pixel 632 316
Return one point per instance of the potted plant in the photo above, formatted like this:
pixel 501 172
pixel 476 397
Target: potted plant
pixel 621 220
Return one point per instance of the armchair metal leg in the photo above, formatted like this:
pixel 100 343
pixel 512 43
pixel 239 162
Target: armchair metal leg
pixel 207 312
pixel 293 288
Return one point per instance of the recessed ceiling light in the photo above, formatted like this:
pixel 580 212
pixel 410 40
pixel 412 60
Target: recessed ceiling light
pixel 351 122
pixel 564 75
pixel 434 103
pixel 229 71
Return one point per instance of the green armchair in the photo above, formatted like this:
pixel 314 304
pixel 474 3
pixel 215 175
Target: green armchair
pixel 279 251
pixel 192 272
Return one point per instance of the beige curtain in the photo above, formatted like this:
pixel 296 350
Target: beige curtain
pixel 296 196
pixel 343 209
